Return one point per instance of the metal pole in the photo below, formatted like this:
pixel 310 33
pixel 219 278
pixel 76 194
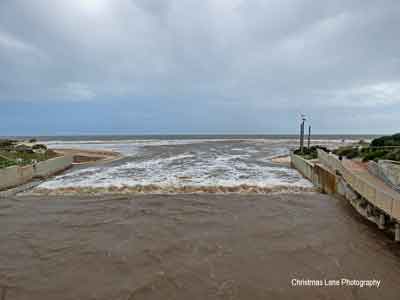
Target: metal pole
pixel 303 119
pixel 302 136
pixel 309 137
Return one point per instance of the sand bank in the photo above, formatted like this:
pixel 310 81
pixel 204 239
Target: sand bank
pixel 284 159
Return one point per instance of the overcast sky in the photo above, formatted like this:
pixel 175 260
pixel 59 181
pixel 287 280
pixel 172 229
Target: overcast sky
pixel 198 66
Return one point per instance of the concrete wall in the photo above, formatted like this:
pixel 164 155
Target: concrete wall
pixel 390 172
pixel 323 173
pixel 373 168
pixel 330 161
pixel 319 175
pixel 16 175
pixel 386 202
pixel 325 179
pixel 303 166
pixel 52 166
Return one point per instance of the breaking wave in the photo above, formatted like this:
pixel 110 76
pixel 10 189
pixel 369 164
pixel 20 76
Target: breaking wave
pixel 157 189
pixel 183 166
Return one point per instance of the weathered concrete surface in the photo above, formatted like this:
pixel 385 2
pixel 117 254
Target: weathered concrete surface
pixel 319 175
pixel 190 247
pixel 52 166
pixel 13 176
pixel 325 179
pixel 305 167
pixel 388 171
pixel 369 186
pixel 16 175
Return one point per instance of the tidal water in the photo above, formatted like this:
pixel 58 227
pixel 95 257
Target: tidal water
pixel 187 163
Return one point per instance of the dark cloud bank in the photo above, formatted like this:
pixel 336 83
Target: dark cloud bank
pixel 248 66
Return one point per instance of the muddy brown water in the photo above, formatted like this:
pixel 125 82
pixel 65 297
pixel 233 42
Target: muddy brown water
pixel 190 247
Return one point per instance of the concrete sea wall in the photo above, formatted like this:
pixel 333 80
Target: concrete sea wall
pixel 305 167
pixel 318 174
pixel 52 166
pixel 387 202
pixel 368 195
pixel 17 175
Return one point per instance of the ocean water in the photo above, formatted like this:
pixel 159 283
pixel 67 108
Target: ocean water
pixel 186 164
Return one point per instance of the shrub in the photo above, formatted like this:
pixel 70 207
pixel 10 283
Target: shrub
pixel 348 152
pixel 6 144
pixel 393 140
pixel 393 155
pixel 4 163
pixel 376 155
pixel 310 153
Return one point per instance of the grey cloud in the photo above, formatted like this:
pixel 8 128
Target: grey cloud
pixel 254 53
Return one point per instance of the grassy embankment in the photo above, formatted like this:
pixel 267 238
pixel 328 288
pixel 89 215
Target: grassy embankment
pixel 310 153
pixel 10 157
pixel 383 148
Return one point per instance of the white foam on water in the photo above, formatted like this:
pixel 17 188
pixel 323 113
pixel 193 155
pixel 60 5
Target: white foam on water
pixel 212 163
pixel 181 170
pixel 186 163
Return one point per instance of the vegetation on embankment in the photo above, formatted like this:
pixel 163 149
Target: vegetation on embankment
pixel 22 158
pixel 4 163
pixel 310 153
pixel 13 152
pixel 382 148
pixel 387 141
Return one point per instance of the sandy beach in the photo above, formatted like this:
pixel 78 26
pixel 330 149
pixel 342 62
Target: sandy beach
pixel 190 247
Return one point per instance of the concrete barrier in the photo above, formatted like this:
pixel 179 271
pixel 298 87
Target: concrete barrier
pixel 303 166
pixel 52 166
pixel 386 170
pixel 323 175
pixel 319 175
pixel 16 175
pixel 376 202
pixel 396 210
pixel 329 161
pixel 325 179
pixel 384 201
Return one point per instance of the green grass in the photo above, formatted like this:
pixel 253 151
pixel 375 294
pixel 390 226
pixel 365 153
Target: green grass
pixel 27 158
pixel 6 163
pixel 369 153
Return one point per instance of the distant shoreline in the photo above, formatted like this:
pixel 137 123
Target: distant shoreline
pixel 109 137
